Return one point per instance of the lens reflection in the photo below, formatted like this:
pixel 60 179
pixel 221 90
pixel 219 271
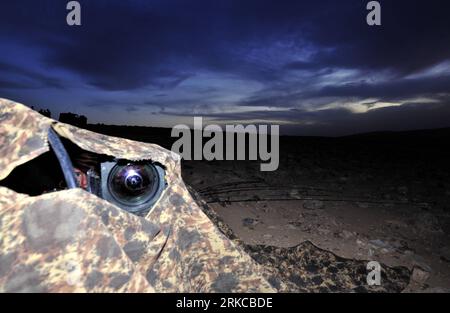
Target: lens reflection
pixel 133 184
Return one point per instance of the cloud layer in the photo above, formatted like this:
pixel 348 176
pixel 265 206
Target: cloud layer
pixel 314 66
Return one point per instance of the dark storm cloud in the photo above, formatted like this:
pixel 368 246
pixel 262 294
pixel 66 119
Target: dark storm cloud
pixel 293 49
pixel 125 45
pixel 413 35
pixel 28 79
pixel 128 44
pixel 5 84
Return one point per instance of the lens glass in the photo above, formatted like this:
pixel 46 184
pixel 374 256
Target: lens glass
pixel 133 184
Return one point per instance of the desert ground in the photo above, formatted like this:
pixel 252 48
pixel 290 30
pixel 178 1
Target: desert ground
pixel 360 198
pixel 376 197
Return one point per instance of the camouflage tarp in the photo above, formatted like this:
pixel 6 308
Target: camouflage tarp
pixel 71 240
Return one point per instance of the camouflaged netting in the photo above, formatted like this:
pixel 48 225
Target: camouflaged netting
pixel 71 240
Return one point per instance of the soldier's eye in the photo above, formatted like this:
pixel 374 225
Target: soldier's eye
pixel 134 187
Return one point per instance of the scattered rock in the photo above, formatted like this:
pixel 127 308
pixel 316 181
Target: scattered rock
pixel 419 261
pixel 347 234
pixel 361 243
pixel 408 252
pixel 401 246
pixel 313 205
pixel 293 226
pixel 250 222
pixel 381 246
pixel 419 275
pixel 267 236
pixel 295 194
pixel 377 243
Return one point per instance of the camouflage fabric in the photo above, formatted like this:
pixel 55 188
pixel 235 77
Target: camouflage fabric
pixel 71 240
pixel 59 242
pixel 23 135
pixel 312 269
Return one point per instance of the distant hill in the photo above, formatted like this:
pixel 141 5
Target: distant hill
pixel 161 136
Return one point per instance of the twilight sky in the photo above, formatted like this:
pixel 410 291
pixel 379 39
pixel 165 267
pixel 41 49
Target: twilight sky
pixel 315 67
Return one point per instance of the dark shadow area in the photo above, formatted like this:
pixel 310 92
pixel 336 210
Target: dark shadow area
pixel 43 174
pixel 38 176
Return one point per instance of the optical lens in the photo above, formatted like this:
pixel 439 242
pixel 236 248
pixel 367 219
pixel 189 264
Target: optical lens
pixel 133 184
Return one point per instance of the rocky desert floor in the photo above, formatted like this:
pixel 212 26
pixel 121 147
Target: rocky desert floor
pixel 378 198
pixel 374 197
